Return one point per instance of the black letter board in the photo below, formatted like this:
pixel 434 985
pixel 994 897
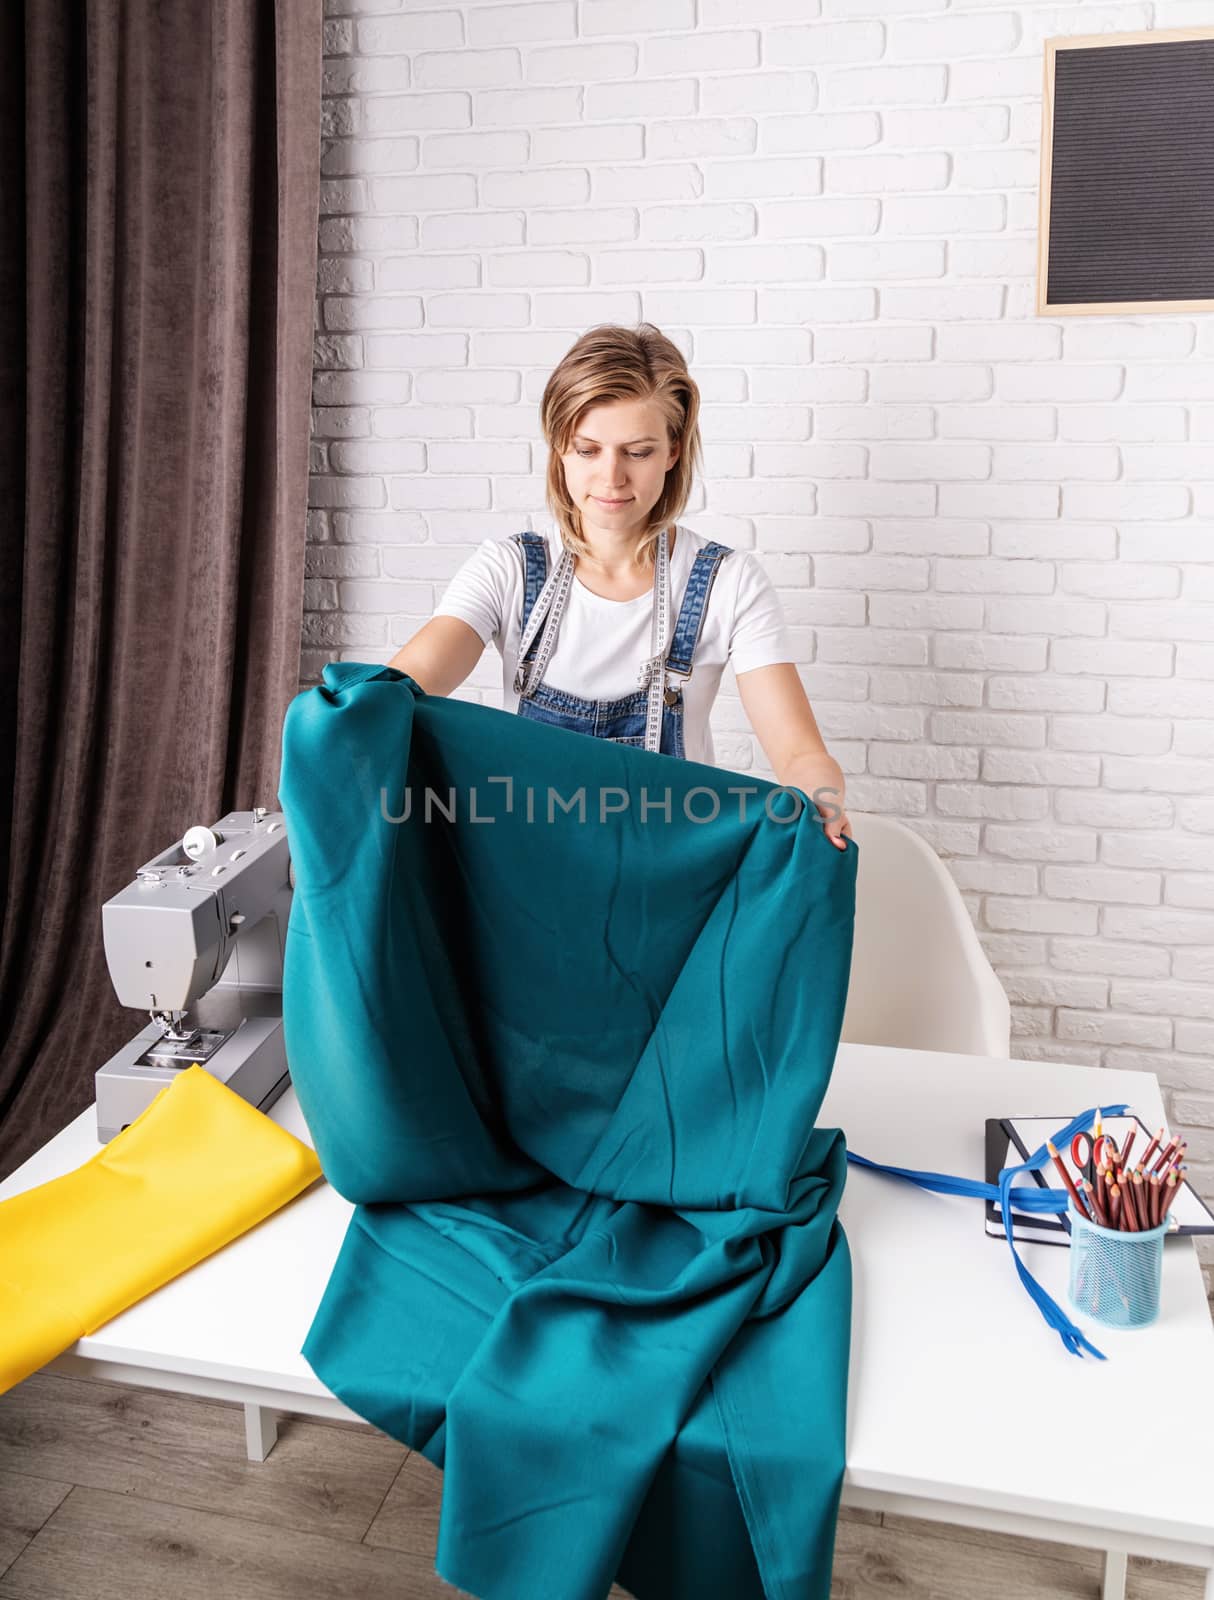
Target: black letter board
pixel 1127 174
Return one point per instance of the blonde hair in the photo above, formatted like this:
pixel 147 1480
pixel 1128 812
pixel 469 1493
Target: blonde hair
pixel 609 363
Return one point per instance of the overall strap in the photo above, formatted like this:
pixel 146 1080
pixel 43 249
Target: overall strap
pixel 535 569
pixel 545 613
pixel 1030 1198
pixel 687 631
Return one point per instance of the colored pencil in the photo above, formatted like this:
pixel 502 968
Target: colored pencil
pixel 1140 1199
pixel 1165 1155
pixel 1129 1214
pixel 1095 1204
pixel 1068 1181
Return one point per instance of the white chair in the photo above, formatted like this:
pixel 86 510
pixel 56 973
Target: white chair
pixel 919 976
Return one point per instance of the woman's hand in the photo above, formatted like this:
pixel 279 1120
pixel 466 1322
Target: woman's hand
pixel 774 700
pixel 821 777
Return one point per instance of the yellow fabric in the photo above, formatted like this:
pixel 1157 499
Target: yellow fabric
pixel 198 1168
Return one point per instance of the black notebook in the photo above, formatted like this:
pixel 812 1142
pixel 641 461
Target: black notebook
pixel 1011 1140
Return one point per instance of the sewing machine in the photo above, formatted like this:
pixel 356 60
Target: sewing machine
pixel 196 940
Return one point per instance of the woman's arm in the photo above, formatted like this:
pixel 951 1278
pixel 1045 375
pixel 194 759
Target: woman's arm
pixel 774 699
pixel 440 655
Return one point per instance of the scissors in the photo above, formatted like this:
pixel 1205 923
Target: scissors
pixel 1089 1151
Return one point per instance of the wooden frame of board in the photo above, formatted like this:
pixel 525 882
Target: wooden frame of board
pixel 1097 41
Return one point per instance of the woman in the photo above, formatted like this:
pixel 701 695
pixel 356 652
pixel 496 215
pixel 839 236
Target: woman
pixel 612 618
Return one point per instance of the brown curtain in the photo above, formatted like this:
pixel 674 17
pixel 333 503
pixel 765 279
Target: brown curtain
pixel 159 197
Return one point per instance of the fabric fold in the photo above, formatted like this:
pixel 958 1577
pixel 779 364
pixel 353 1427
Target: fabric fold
pixel 567 1060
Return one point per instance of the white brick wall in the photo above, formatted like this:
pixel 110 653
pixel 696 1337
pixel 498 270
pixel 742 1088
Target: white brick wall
pixel 992 532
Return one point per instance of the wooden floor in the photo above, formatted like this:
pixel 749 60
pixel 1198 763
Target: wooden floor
pixel 114 1493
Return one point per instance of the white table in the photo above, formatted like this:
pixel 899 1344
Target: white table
pixel 962 1402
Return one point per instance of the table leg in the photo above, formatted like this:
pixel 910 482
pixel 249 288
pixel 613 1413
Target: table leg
pixel 260 1431
pixel 1209 1589
pixel 1112 1586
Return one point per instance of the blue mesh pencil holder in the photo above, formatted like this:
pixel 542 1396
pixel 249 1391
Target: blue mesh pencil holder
pixel 1115 1276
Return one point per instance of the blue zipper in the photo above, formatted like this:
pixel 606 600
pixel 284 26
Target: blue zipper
pixel 1029 1198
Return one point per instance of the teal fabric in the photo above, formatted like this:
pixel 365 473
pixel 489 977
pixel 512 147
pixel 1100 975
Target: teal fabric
pixel 568 1068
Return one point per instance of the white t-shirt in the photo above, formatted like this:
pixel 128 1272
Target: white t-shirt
pixel 603 643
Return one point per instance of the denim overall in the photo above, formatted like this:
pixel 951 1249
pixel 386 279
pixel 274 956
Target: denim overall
pixel 650 718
